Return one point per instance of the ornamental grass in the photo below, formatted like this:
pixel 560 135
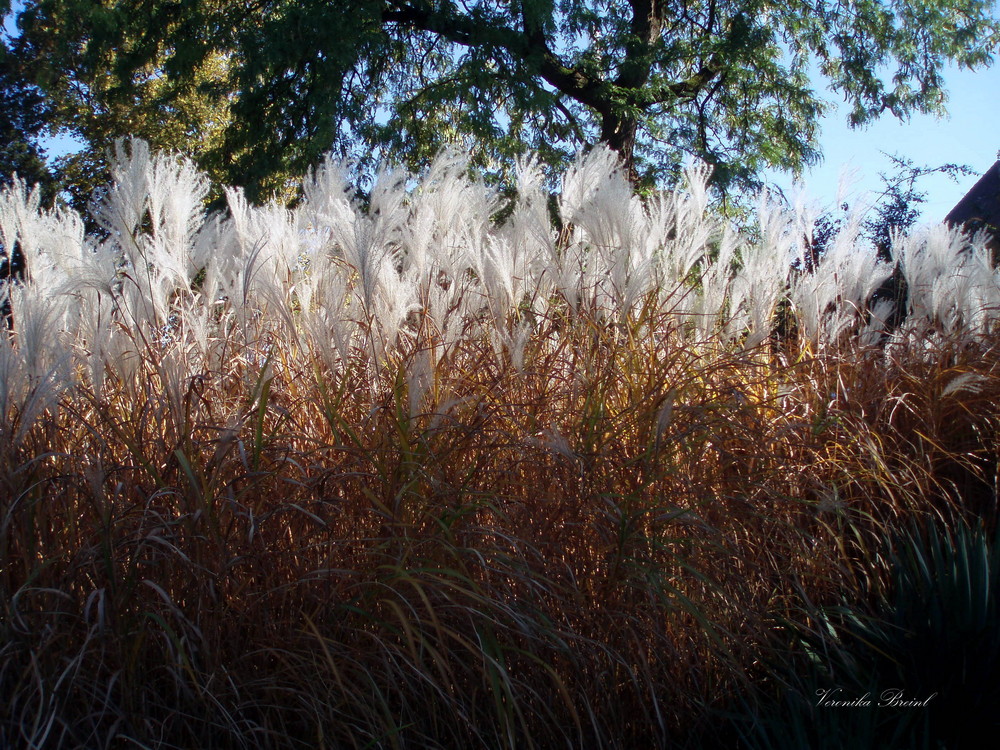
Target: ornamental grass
pixel 419 469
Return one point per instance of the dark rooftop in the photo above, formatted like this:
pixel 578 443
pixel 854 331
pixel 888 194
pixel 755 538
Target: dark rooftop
pixel 980 208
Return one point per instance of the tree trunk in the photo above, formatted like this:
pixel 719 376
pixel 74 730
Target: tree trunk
pixel 619 134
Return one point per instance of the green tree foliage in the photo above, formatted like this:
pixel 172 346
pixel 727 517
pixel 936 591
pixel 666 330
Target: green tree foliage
pixel 104 80
pixel 22 122
pixel 727 80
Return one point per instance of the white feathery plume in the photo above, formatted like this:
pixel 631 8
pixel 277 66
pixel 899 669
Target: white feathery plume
pixel 761 279
pixel 511 345
pixel 609 220
pixel 120 211
pixel 831 299
pixel 375 236
pixel 18 207
pixel 177 193
pixel 951 284
pixel 681 235
pixel 326 318
pixel 876 328
pixel 529 235
pixel 35 363
pixel 45 237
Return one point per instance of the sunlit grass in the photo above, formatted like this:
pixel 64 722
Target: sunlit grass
pixel 396 476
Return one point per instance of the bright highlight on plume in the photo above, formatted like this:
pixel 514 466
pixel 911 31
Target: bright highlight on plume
pixel 425 260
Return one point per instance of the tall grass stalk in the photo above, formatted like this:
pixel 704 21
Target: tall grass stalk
pixel 395 473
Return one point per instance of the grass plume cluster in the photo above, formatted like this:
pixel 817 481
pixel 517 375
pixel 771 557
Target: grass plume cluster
pixel 395 473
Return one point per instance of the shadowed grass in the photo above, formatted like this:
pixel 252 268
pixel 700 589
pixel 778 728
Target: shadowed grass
pixel 592 550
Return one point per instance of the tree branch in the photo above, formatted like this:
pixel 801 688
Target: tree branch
pixel 532 48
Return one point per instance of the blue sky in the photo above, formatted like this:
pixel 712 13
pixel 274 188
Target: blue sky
pixel 970 135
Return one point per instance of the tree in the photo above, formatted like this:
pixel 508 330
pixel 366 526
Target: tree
pixel 897 207
pixel 22 121
pixel 101 85
pixel 174 118
pixel 726 80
